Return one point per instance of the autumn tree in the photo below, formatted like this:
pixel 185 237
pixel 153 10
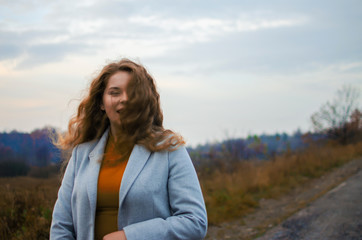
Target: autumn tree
pixel 334 118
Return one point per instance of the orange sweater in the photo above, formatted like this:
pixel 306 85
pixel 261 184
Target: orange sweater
pixel 109 182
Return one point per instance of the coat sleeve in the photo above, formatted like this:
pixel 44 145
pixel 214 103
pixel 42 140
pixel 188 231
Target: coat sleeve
pixel 62 221
pixel 189 218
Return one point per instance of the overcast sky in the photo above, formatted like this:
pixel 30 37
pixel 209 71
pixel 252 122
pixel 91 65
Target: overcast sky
pixel 223 68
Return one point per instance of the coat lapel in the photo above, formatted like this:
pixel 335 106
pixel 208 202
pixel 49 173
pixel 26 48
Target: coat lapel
pixel 95 158
pixel 136 162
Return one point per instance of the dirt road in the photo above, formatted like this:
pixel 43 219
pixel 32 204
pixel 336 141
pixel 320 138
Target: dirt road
pixel 337 215
pixel 329 207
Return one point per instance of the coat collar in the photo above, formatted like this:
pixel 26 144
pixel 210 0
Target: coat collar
pixel 136 162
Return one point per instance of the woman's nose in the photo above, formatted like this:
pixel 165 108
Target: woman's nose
pixel 123 98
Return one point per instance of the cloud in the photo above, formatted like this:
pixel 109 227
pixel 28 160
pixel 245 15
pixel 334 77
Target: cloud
pixel 309 42
pixel 9 51
pixel 97 24
pixel 205 29
pixel 47 53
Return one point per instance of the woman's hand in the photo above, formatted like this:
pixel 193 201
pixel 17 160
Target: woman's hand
pixel 119 235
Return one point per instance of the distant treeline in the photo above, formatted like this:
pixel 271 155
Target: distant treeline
pixel 338 121
pixel 253 147
pixel 21 151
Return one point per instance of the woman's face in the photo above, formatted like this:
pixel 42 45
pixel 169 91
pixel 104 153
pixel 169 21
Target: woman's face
pixel 114 97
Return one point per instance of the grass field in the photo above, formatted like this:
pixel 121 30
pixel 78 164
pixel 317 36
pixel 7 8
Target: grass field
pixel 26 206
pixel 26 203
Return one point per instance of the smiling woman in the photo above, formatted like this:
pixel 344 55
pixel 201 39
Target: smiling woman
pixel 114 98
pixel 128 177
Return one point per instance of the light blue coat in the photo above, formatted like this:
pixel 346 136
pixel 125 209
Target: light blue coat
pixel 159 198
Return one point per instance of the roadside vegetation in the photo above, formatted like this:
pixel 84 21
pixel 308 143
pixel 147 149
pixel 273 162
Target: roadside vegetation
pixel 233 191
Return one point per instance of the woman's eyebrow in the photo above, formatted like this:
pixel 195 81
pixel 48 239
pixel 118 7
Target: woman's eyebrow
pixel 114 88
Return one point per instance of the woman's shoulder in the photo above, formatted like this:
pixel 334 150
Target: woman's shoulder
pixel 178 150
pixel 89 146
pixel 84 149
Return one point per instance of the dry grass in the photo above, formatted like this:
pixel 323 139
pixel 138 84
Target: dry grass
pixel 26 207
pixel 232 194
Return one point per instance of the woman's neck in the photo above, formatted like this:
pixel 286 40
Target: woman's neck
pixel 115 132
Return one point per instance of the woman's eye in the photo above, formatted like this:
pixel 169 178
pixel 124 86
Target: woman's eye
pixel 114 93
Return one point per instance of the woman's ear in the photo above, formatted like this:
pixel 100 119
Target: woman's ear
pixel 102 106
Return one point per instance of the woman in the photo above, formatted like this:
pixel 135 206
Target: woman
pixel 128 177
